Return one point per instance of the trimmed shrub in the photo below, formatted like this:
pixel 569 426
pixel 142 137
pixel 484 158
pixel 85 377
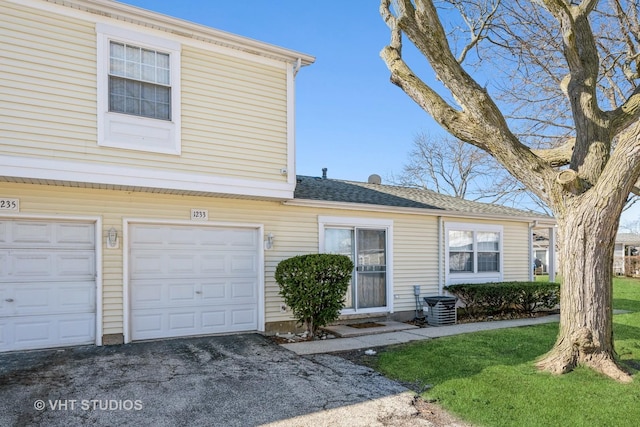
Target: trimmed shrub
pixel 314 287
pixel 499 298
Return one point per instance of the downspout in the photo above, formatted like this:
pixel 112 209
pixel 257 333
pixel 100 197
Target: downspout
pixel 533 225
pixel 440 258
pixel 297 67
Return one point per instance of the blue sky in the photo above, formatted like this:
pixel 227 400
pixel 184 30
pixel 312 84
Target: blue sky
pixel 349 117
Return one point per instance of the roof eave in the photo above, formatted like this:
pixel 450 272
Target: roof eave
pixel 538 220
pixel 184 28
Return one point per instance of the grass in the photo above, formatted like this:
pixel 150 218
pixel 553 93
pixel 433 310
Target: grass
pixel 489 379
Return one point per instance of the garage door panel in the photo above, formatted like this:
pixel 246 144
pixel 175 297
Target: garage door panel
pixel 53 265
pixel 40 298
pixel 243 264
pixel 183 293
pixel 214 264
pixel 176 322
pixel 46 331
pixel 184 264
pixel 214 291
pixel 47 234
pixel 214 319
pixel 184 322
pixel 75 234
pixel 241 317
pixel 243 290
pixel 146 264
pixel 146 236
pixel 193 280
pixel 32 232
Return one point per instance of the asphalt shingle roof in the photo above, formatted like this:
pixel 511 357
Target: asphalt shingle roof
pixel 333 190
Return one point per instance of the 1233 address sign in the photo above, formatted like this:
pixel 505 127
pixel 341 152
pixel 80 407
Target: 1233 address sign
pixel 199 215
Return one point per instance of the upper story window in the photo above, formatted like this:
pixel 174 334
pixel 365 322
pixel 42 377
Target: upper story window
pixel 138 79
pixel 473 249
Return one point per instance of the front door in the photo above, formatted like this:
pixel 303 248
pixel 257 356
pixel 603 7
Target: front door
pixel 367 249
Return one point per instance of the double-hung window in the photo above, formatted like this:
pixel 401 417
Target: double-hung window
pixel 138 90
pixel 474 252
pixel 139 81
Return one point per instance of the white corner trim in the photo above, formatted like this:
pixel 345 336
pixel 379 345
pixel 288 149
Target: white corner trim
pixel 291 126
pixel 95 173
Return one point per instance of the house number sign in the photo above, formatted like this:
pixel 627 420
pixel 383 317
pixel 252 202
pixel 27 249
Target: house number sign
pixel 199 215
pixel 9 204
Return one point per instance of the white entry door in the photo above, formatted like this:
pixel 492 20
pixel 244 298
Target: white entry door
pixel 192 280
pixel 47 284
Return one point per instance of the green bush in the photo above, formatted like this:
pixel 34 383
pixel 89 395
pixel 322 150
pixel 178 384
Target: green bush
pixel 499 298
pixel 314 287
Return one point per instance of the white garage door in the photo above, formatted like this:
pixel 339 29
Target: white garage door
pixel 192 280
pixel 47 284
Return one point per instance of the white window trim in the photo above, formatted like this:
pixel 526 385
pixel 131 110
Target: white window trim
pixel 119 130
pixel 349 222
pixel 475 277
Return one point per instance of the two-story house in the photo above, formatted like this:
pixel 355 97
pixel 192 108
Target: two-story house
pixel 148 188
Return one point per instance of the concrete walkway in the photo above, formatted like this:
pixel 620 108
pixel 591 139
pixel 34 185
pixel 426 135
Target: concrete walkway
pixel 407 335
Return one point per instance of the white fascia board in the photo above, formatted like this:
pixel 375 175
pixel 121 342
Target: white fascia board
pixel 415 211
pixel 168 24
pixel 93 173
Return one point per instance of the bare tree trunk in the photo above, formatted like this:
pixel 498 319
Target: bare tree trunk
pixel 587 239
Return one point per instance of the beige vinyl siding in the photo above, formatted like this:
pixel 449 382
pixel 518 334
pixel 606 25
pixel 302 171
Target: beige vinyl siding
pixel 415 253
pixel 47 103
pixel 234 111
pixel 516 251
pixel 295 231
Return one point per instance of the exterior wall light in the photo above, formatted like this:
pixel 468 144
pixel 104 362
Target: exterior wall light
pixel 268 243
pixel 112 239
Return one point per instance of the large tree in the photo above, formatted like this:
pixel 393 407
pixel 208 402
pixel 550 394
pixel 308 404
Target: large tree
pixel 587 174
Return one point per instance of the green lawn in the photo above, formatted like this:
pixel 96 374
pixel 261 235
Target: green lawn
pixel 489 379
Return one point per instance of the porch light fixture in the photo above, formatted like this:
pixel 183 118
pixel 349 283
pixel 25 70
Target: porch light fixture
pixel 112 238
pixel 268 243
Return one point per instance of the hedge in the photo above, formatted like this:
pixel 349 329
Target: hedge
pixel 499 298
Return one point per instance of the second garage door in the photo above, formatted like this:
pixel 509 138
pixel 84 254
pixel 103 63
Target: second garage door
pixel 192 280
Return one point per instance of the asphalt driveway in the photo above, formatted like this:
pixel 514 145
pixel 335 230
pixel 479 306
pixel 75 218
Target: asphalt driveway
pixel 236 380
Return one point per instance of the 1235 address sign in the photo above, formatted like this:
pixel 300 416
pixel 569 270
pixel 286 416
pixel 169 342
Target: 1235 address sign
pixel 9 204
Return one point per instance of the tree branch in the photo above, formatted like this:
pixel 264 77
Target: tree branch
pixel 558 156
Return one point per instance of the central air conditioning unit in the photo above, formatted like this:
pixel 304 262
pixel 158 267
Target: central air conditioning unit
pixel 441 310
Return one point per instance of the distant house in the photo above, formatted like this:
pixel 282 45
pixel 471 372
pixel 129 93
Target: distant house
pixel 148 189
pixel 627 246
